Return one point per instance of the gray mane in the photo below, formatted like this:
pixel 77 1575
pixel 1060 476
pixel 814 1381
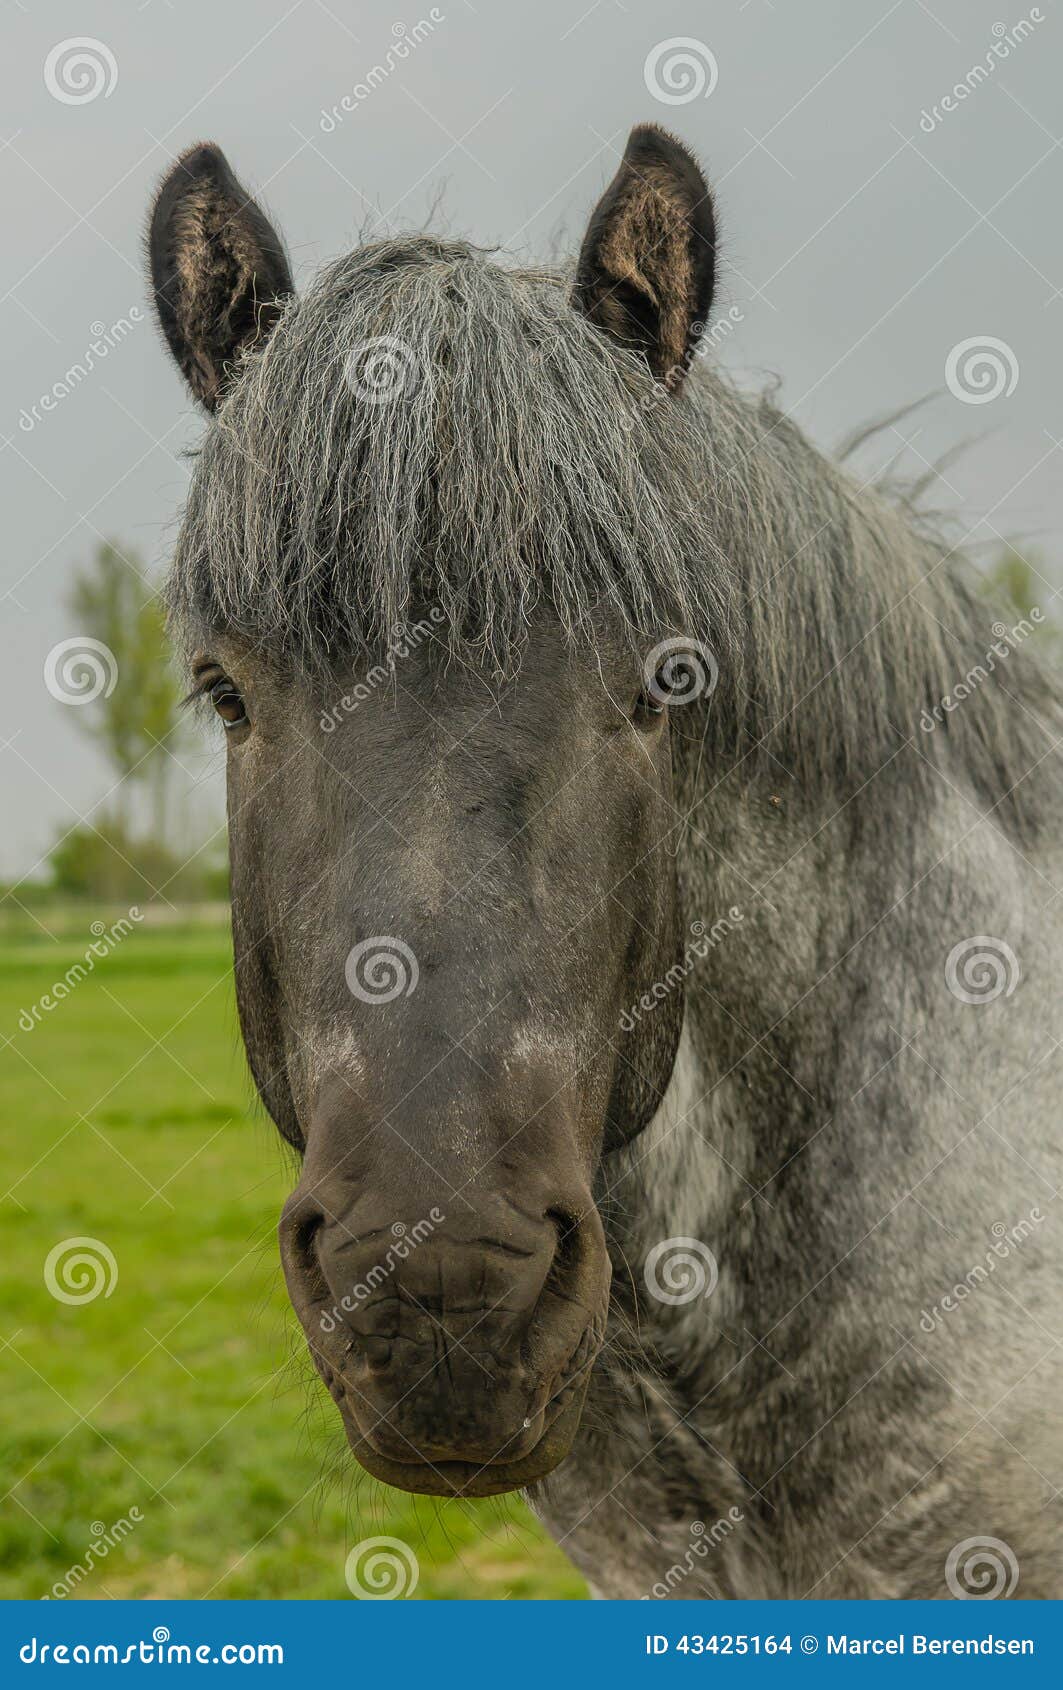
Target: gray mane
pixel 523 462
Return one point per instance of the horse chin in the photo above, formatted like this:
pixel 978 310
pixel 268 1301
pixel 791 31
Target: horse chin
pixel 474 1478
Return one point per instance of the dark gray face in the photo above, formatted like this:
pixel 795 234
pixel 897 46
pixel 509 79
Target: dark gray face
pixel 445 896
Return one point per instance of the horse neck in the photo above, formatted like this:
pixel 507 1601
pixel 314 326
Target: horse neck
pixel 746 1074
pixel 787 1106
pixel 788 894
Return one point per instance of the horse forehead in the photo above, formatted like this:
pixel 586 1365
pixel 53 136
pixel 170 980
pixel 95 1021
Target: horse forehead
pixel 451 729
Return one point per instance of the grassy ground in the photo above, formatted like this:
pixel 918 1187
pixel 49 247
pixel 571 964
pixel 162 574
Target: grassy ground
pixel 127 1120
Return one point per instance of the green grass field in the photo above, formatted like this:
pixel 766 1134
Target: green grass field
pixel 183 1394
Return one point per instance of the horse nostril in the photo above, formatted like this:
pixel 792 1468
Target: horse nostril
pixel 565 1256
pixel 305 1248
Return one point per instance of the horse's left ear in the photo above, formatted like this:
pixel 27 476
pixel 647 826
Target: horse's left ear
pixel 648 261
pixel 218 270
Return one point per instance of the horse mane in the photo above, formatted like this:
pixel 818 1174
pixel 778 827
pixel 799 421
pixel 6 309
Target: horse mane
pixel 425 428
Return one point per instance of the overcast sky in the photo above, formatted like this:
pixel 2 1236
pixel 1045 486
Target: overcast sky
pixel 865 237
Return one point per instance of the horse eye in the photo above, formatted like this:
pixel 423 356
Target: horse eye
pixel 655 695
pixel 228 703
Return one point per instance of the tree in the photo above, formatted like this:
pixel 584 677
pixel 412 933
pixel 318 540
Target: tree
pixel 114 603
pixel 1013 580
pixel 1019 582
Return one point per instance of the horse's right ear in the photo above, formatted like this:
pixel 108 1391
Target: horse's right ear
pixel 218 270
pixel 647 265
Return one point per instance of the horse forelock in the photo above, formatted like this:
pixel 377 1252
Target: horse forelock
pixel 427 430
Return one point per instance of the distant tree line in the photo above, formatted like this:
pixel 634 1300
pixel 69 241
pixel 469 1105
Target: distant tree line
pixel 132 845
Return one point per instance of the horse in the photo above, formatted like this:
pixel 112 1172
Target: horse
pixel 644 842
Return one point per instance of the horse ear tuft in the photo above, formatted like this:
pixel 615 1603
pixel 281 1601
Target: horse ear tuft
pixel 218 270
pixel 648 262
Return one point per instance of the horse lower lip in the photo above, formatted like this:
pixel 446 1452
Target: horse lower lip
pixel 394 1447
pixel 452 1476
pixel 471 1478
pixel 380 1441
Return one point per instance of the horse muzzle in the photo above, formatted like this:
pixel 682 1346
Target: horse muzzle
pixel 458 1350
